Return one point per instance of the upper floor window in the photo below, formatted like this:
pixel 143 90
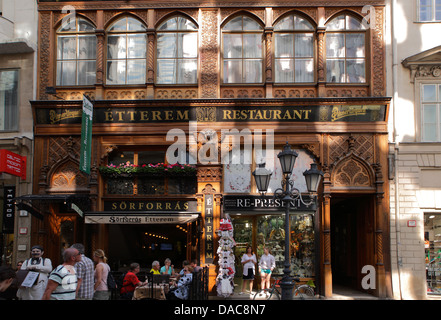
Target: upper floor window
pixel 76 53
pixel 177 52
pixel 294 50
pixel 126 52
pixel 431 112
pixel 8 99
pixel 429 10
pixel 242 51
pixel 345 50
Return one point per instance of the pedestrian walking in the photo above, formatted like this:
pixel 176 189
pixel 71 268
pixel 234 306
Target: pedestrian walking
pixel 85 270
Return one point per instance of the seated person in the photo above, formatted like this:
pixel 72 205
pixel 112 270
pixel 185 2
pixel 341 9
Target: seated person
pixel 181 291
pixel 184 263
pixel 167 268
pixel 130 282
pixel 155 267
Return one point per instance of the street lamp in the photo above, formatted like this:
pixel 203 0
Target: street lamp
pixel 287 194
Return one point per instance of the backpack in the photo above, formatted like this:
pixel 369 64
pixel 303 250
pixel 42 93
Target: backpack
pixel 111 283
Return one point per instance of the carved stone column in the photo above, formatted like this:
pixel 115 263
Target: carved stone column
pixel 326 234
pixel 209 53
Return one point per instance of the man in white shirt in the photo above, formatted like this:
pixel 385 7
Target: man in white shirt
pixel 62 283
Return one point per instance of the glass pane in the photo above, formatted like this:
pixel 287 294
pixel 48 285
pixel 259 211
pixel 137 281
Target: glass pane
pixel 429 92
pixel 301 24
pixel 302 246
pixel 187 71
pixel 353 24
pixel 67 47
pixel 429 123
pixel 284 45
pixel 355 45
pixel 337 23
pixel 437 10
pixel 185 24
pixel 284 70
pixel 252 71
pixel 304 70
pixel 147 157
pixel 232 71
pixel 234 24
pixel 250 24
pixel 8 99
pixel 116 47
pixel 120 185
pixel 67 71
pixel 335 70
pixel 84 25
pixel 136 46
pixel 135 25
pixel 286 23
pixel 86 72
pixel 182 185
pixel 151 185
pixel 187 45
pixel 335 45
pixel 86 47
pixel 122 158
pixel 135 71
pixel 425 10
pixel 166 46
pixel 166 71
pixel 170 24
pixel 119 25
pixel 232 46
pixel 252 45
pixel 356 72
pixel 68 25
pixel 304 45
pixel 116 72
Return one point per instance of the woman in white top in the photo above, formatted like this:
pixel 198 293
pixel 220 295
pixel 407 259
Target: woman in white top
pixel 102 270
pixel 248 260
pixel 267 264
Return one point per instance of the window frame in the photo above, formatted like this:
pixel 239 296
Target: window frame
pixel 176 58
pixel 432 7
pixel 345 31
pixel 420 115
pixel 242 32
pixel 295 31
pixel 125 33
pixel 77 34
pixel 135 179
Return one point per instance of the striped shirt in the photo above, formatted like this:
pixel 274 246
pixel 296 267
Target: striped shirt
pixel 67 283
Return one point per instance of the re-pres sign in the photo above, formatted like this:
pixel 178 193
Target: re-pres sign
pixel 12 163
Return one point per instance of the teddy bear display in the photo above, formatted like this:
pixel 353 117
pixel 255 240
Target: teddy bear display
pixel 224 280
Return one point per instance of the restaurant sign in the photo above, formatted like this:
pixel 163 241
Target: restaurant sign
pixel 139 218
pixel 166 114
pixel 151 205
pixel 264 204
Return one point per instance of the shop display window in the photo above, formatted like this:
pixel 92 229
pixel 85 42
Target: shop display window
pixel 432 245
pixel 269 230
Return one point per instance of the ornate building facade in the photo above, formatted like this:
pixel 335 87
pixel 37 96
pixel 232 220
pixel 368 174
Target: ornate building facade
pixel 308 73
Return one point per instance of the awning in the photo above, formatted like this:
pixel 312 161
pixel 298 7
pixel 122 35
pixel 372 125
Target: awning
pixel 140 217
pixel 38 204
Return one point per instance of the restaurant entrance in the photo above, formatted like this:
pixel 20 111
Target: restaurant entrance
pixel 149 242
pixel 352 239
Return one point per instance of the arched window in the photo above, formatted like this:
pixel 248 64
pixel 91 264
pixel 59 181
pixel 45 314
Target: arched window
pixel 177 52
pixel 294 50
pixel 242 51
pixel 126 52
pixel 345 50
pixel 76 53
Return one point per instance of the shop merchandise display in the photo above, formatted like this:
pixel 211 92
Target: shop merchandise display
pixel 271 233
pixel 224 280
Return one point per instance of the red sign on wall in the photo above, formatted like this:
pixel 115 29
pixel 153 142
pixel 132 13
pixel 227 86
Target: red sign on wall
pixel 12 163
